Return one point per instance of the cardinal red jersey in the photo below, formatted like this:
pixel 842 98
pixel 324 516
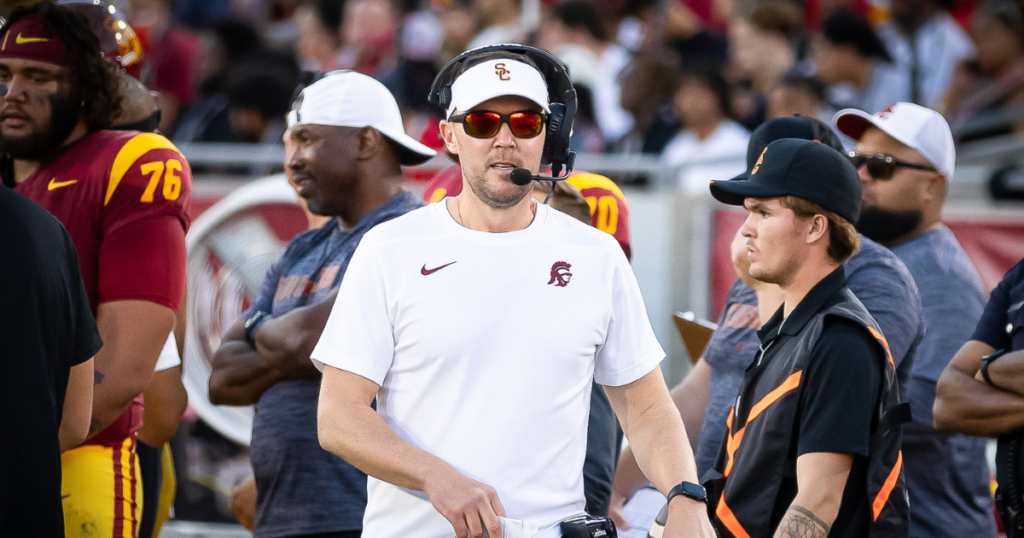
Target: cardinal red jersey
pixel 101 184
pixel 608 209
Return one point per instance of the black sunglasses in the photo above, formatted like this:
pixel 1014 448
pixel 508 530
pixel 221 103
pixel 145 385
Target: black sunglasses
pixel 882 166
pixel 482 124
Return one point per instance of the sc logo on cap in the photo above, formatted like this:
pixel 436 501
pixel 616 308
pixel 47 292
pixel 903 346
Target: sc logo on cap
pixel 503 74
pixel 759 161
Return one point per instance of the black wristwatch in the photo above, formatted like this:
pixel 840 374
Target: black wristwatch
pixel 691 490
pixel 987 360
pixel 251 324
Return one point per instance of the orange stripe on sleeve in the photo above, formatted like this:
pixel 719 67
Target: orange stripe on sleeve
pixel 885 343
pixel 887 487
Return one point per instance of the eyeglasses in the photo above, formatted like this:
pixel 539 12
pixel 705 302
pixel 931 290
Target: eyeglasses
pixel 486 124
pixel 882 166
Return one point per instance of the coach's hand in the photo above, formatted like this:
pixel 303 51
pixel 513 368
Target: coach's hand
pixel 471 507
pixel 688 518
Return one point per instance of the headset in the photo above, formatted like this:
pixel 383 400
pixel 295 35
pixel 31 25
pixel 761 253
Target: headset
pixel 561 93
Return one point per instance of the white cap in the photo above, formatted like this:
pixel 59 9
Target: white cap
pixel 922 129
pixel 350 99
pixel 497 78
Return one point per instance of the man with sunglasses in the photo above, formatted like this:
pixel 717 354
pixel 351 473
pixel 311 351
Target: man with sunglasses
pixel 479 323
pixel 905 158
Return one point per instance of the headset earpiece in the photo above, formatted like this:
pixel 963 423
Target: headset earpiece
pixel 560 92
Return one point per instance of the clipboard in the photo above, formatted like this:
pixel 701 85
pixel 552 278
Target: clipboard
pixel 695 333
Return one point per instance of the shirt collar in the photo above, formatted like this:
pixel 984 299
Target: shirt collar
pixel 813 302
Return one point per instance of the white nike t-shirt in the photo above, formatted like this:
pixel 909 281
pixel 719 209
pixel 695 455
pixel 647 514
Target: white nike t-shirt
pixel 484 346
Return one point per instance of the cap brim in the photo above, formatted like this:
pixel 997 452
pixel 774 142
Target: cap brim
pixel 852 122
pixel 734 191
pixel 410 152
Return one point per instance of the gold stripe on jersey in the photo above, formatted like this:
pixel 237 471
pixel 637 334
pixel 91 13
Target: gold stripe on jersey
pixel 138 146
pixel 595 181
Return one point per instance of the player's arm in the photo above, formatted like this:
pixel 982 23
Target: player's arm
pixel 350 428
pixel 133 333
pixel 821 479
pixel 690 397
pixel 966 404
pixel 241 373
pixel 74 423
pixel 657 436
pixel 166 400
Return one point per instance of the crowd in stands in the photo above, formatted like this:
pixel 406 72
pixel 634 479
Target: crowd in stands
pixel 685 79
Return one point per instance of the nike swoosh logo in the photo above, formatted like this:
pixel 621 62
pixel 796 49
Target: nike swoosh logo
pixel 54 184
pixel 425 271
pixel 22 40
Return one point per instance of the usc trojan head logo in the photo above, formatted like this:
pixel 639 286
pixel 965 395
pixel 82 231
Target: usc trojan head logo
pixel 503 74
pixel 760 160
pixel 560 274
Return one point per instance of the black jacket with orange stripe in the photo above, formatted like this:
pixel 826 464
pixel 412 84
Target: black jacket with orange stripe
pixel 756 456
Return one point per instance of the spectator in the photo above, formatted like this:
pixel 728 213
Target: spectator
pixel 855 66
pixel 369 29
pixel 927 44
pixel 172 54
pixel 675 26
pixel 499 22
pixel 320 38
pixel 988 99
pixel 705 106
pixel 349 144
pixel 763 47
pixel 421 39
pixel 258 100
pixel 648 83
pixel 980 392
pixel 797 95
pixel 577 35
pixel 905 157
pixel 459 23
pixel 234 43
pixel 48 337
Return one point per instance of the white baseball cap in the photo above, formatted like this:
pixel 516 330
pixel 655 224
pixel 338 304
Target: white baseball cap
pixel 351 99
pixel 497 78
pixel 922 129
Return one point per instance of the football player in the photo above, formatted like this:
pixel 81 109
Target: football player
pixel 123 197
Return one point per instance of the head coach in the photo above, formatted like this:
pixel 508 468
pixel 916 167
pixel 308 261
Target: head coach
pixel 479 322
pixel 812 447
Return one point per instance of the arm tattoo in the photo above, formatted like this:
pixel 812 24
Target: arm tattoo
pixel 800 522
pixel 97 377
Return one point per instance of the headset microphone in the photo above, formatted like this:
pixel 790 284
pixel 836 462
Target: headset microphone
pixel 3 90
pixel 522 176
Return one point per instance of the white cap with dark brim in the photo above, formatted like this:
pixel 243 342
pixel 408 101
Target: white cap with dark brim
pixel 498 78
pixel 921 129
pixel 351 99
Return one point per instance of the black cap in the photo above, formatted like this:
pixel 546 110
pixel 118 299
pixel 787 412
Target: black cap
pixel 788 127
pixel 801 168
